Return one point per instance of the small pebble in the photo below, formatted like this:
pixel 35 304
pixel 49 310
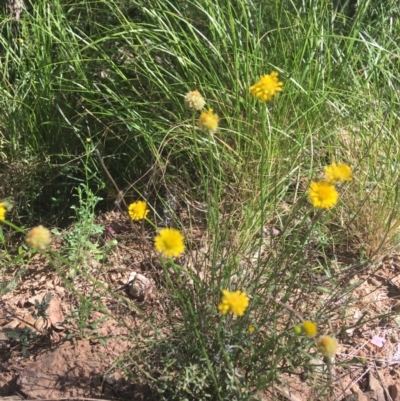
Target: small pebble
pixel 394 338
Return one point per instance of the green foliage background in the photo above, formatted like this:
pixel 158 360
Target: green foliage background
pixel 116 72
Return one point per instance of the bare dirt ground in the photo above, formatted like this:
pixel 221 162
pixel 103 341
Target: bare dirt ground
pixel 76 360
pixel 367 364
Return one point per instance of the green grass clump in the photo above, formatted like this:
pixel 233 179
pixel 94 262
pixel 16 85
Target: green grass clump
pixel 93 100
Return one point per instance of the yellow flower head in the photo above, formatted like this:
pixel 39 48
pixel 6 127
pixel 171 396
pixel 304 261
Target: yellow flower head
pixel 251 329
pixel 338 173
pixel 323 195
pixel 208 121
pixel 327 346
pixel 194 100
pixel 267 87
pixel 39 237
pixel 309 328
pixel 169 242
pixel 138 210
pixel 2 212
pixel 235 302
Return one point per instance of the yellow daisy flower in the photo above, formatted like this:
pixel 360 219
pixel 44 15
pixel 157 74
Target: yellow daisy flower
pixel 251 329
pixel 194 100
pixel 235 302
pixel 267 87
pixel 39 237
pixel 323 195
pixel 2 212
pixel 338 173
pixel 169 242
pixel 208 121
pixel 309 328
pixel 138 210
pixel 327 345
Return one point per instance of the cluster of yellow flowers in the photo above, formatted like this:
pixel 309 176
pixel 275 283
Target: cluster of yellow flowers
pixel 323 194
pixel 326 345
pixel 208 120
pixel 169 241
pixel 236 302
pixel 265 89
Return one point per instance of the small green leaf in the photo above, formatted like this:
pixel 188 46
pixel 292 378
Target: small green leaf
pixel 324 289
